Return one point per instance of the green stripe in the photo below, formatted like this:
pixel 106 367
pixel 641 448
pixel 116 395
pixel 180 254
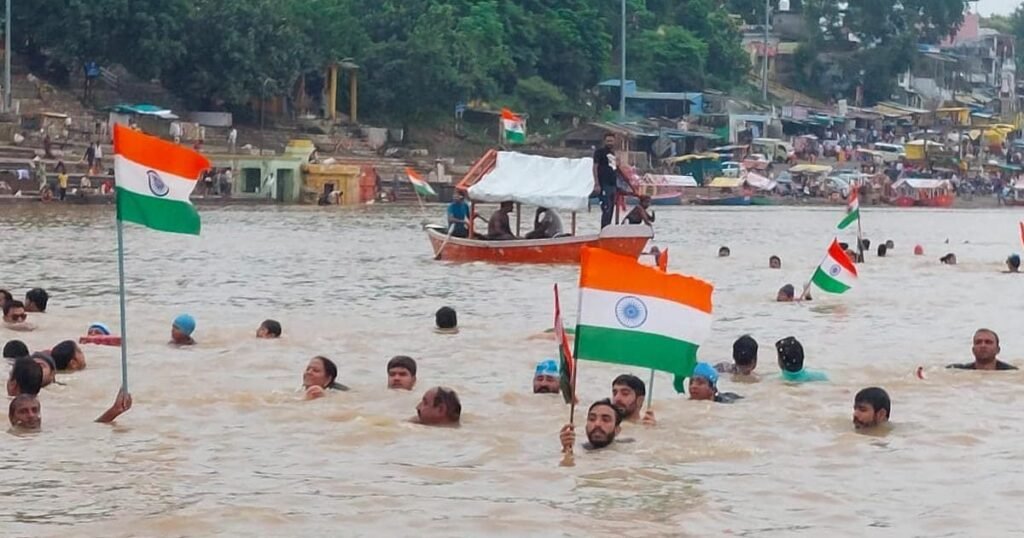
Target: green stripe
pixel 157 213
pixel 850 218
pixel 424 190
pixel 621 346
pixel 514 136
pixel 827 283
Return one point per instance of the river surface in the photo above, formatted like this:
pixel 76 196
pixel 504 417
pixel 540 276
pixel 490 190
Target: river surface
pixel 218 442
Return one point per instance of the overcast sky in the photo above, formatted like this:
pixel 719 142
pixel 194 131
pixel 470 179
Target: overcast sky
pixel 1001 7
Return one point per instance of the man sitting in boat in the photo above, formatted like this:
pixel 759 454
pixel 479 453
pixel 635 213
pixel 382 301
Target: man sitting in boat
pixel 639 214
pixel 547 226
pixel 498 227
pixel 458 215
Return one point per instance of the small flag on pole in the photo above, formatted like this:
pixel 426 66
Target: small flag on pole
pixel 568 367
pixel 852 210
pixel 836 273
pixel 514 126
pixel 420 184
pixel 155 179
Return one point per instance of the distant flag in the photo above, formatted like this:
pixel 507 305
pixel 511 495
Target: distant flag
pixel 514 126
pixel 640 316
pixel 568 366
pixel 155 179
pixel 422 187
pixel 836 273
pixel 852 210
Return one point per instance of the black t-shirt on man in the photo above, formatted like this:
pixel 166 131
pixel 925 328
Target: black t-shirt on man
pixel 604 158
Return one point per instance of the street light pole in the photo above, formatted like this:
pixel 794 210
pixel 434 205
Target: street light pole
pixel 622 73
pixel 263 105
pixel 7 57
pixel 764 52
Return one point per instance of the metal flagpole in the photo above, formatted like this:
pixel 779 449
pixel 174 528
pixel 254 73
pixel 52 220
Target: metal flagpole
pixel 860 238
pixel 124 331
pixel 650 391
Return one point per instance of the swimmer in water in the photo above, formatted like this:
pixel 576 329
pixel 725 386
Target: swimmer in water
pixel 36 299
pixel 786 294
pixel 604 423
pixel 791 362
pixel 1013 264
pixel 881 250
pixel 25 413
pixel 47 363
pixel 26 377
pixel 269 329
pixel 68 356
pixel 889 245
pixel 744 357
pixel 320 375
pixel 15 349
pixel 182 329
pixel 918 250
pixel 870 408
pixel 986 350
pixel 401 373
pixel 440 406
pixel 948 259
pixel 15 316
pixel 703 385
pixel 546 379
pixel 446 320
pixel 724 252
pixel 628 392
pixel 775 262
pixel 98 329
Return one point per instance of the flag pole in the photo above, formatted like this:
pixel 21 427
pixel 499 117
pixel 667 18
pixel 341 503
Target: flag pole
pixel 124 332
pixel 568 457
pixel 860 240
pixel 650 391
pixel 807 287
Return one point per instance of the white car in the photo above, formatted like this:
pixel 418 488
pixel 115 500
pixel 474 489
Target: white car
pixel 731 169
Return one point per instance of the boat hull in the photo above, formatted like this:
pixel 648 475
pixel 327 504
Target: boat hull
pixel 627 240
pixel 660 199
pixel 729 201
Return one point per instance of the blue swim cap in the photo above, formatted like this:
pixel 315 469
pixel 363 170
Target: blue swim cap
pixel 101 326
pixel 547 367
pixel 706 371
pixel 185 323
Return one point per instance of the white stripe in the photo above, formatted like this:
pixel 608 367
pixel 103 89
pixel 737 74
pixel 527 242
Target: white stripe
pixel 135 177
pixel 830 266
pixel 600 308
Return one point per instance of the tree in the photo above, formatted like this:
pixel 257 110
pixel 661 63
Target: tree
pixel 670 58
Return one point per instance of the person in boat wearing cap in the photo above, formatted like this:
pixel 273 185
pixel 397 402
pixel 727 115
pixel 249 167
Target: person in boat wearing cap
pixel 640 214
pixel 67 355
pixel 401 373
pixel 703 385
pixel 25 412
pixel 791 362
pixel 1013 264
pixel 182 329
pixel 871 407
pixel 321 375
pixel 986 350
pixel 744 357
pixel 546 378
pixel 628 393
pixel 604 423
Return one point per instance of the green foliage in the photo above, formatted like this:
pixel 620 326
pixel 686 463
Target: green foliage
pixel 540 97
pixel 671 58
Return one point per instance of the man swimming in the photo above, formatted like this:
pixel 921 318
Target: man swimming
pixel 36 300
pixel 628 392
pixel 47 363
pixel 67 355
pixel 26 377
pixel 401 373
pixel 97 329
pixel 1013 263
pixel 546 379
pixel 269 329
pixel 440 406
pixel 604 421
pixel 775 262
pixel 791 362
pixel 25 412
pixel 871 408
pixel 15 316
pixel 985 350
pixel 639 214
pixel 703 385
pixel 446 320
pixel 182 329
pixel 724 252
pixel 15 349
pixel 744 356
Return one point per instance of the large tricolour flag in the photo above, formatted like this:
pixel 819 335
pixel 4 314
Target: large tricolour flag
pixel 639 315
pixel 154 180
pixel 514 126
pixel 421 185
pixel 836 273
pixel 852 210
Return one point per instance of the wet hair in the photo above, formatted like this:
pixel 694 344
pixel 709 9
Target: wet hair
pixel 990 331
pixel 273 327
pixel 876 397
pixel 63 353
pixel 446 318
pixel 39 297
pixel 15 349
pixel 881 250
pixel 14 404
pixel 774 258
pixel 791 354
pixel 744 350
pixel 724 250
pixel 865 244
pixel 28 375
pixel 619 415
pixel 12 304
pixel 1013 261
pixel 789 290
pixel 945 259
pixel 632 382
pixel 450 400
pixel 402 361
pixel 889 243
pixel 5 296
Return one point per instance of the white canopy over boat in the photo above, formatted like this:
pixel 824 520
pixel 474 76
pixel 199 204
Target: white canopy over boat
pixel 556 183
pixel 923 183
pixel 670 180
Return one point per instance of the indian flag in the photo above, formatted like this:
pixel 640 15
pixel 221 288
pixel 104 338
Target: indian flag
pixel 515 127
pixel 154 180
pixel 422 187
pixel 836 274
pixel 639 315
pixel 852 210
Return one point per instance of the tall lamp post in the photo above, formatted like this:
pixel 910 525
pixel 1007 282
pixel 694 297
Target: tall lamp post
pixel 622 72
pixel 783 6
pixel 7 57
pixel 263 105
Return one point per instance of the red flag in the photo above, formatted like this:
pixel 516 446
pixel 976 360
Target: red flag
pixel 568 368
pixel 662 259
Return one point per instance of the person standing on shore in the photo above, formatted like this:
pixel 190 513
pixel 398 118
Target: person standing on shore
pixel 62 181
pixel 606 177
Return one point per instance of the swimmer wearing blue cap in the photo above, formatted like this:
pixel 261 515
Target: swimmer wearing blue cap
pixel 182 329
pixel 704 385
pixel 1013 263
pixel 98 329
pixel 546 378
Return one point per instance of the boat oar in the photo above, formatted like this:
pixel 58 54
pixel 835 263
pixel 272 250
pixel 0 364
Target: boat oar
pixel 451 228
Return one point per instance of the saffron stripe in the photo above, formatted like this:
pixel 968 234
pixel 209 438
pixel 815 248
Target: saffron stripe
pixel 836 253
pixel 606 271
pixel 156 154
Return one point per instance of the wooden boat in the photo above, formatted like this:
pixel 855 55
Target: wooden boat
pixel 664 198
pixel 628 240
pixel 727 201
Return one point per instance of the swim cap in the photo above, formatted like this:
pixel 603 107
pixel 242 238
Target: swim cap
pixel 744 349
pixel 791 354
pixel 706 371
pixel 100 326
pixel 185 323
pixel 547 367
pixel 1013 260
pixel 919 250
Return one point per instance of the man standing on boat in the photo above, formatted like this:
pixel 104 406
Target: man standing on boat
pixel 458 215
pixel 605 177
